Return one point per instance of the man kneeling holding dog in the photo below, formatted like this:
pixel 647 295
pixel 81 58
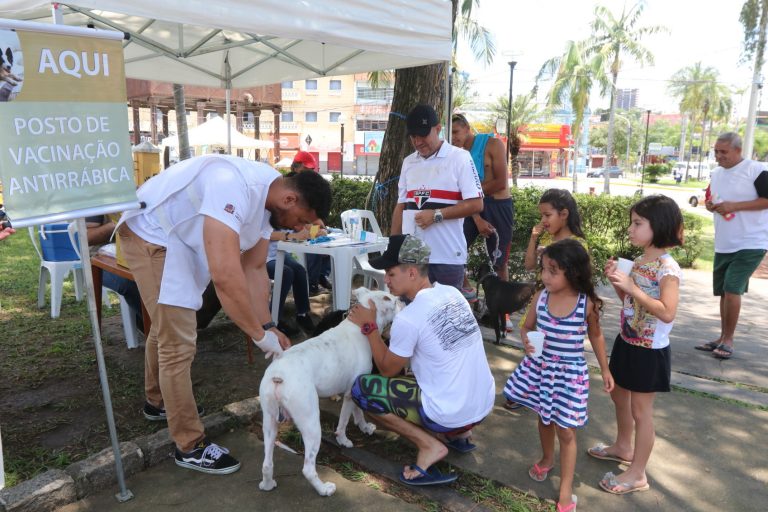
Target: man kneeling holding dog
pixel 453 388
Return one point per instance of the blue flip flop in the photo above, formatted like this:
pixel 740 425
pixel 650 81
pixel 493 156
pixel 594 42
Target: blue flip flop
pixel 461 445
pixel 429 477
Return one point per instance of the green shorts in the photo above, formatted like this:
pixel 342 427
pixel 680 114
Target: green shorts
pixel 732 271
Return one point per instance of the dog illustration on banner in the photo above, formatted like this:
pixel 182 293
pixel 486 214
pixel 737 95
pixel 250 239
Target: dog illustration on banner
pixel 11 65
pixel 319 368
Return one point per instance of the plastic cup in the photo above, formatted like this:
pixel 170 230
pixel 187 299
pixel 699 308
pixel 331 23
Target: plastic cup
pixel 625 265
pixel 536 339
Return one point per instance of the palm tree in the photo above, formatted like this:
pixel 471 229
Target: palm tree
pixel 524 111
pixel 754 17
pixel 423 84
pixel 614 37
pixel 692 86
pixel 717 103
pixel 575 74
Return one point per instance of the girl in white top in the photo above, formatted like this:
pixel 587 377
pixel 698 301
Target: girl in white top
pixel 640 359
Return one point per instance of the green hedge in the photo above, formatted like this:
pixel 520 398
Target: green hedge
pixel 347 194
pixel 605 220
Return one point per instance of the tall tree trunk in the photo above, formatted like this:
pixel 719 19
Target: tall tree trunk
pixel 181 121
pixel 413 86
pixel 611 129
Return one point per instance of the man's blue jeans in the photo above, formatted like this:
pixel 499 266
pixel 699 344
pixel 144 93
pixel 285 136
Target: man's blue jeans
pixel 294 275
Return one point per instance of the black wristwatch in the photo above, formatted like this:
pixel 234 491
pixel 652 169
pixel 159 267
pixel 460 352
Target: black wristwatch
pixel 269 325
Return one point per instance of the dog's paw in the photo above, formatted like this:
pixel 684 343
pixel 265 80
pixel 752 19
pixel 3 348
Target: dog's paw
pixel 344 441
pixel 267 485
pixel 326 489
pixel 367 428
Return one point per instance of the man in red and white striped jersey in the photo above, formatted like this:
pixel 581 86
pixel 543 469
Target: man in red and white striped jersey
pixel 438 188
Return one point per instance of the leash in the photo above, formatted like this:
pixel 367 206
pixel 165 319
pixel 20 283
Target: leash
pixel 496 255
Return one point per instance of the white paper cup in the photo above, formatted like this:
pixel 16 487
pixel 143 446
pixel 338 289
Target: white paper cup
pixel 536 339
pixel 625 265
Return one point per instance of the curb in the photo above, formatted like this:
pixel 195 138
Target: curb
pixel 56 488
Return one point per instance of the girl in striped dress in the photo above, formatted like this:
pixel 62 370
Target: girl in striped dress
pixel 556 384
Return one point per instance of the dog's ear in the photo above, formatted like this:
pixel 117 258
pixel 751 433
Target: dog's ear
pixel 9 56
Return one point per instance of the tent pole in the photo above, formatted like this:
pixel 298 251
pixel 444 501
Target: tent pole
pixel 229 111
pixel 124 494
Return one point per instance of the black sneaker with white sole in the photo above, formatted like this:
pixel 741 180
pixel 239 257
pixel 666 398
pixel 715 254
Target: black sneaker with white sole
pixel 153 413
pixel 208 457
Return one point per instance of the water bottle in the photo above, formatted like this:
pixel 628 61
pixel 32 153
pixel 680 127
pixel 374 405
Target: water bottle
pixel 354 225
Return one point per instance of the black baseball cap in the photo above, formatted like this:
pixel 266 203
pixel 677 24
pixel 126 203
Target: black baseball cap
pixel 420 120
pixel 402 249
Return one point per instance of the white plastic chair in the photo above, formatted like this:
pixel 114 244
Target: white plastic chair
pixel 362 267
pixel 56 262
pixel 127 314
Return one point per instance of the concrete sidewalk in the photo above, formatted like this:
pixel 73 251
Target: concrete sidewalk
pixel 709 454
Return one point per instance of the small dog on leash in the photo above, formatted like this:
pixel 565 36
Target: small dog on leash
pixel 318 368
pixel 503 297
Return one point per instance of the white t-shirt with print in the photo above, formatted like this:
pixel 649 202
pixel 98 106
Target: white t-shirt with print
pixel 231 190
pixel 747 229
pixel 440 335
pixel 442 180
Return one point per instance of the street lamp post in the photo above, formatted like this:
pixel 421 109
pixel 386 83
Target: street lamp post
pixel 645 150
pixel 509 112
pixel 342 120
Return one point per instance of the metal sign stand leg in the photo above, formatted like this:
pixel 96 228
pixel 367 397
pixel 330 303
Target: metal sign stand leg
pixel 124 494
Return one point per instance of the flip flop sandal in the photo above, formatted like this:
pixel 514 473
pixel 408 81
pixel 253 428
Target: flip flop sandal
pixel 539 473
pixel 569 508
pixel 726 349
pixel 512 406
pixel 429 477
pixel 598 452
pixel 461 445
pixel 609 484
pixel 708 347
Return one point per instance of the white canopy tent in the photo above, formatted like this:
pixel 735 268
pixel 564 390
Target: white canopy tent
pixel 240 43
pixel 214 133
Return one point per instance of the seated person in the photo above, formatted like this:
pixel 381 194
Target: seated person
pixel 99 229
pixel 294 276
pixel 452 388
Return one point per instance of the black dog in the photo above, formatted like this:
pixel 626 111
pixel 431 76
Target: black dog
pixel 503 298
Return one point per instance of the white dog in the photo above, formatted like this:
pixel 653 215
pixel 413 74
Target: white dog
pixel 319 368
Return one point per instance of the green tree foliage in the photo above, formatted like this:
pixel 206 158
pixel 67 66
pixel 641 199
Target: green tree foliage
pixel 575 74
pixel 616 38
pixel 524 111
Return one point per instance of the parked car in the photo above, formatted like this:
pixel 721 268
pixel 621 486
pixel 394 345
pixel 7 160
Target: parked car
pixel 613 171
pixel 697 199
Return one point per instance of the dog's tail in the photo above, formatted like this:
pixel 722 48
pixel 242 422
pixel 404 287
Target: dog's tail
pixel 283 415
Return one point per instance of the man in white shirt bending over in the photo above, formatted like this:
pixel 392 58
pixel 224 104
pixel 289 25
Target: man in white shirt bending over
pixel 208 218
pixel 452 388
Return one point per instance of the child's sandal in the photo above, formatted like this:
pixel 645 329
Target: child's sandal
pixel 569 508
pixel 539 473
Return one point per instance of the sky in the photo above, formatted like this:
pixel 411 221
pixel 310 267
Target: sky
pixel 533 31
